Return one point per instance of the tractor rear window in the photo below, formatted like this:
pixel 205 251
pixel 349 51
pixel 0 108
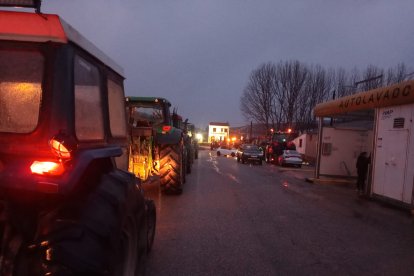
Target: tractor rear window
pixel 146 114
pixel 21 75
pixel 88 102
pixel 116 99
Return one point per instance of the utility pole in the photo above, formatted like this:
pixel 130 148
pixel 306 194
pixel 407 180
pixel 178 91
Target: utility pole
pixel 251 131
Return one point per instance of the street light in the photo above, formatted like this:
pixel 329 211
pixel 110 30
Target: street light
pixel 199 137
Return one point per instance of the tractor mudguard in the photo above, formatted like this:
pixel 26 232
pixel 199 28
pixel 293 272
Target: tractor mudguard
pixel 171 137
pixel 82 162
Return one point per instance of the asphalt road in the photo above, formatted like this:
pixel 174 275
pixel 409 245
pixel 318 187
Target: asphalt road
pixel 235 219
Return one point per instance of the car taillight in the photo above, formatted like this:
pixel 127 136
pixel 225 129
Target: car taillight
pixel 47 168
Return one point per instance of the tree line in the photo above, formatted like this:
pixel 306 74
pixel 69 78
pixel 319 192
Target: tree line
pixel 284 94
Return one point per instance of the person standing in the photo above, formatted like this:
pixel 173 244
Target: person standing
pixel 362 169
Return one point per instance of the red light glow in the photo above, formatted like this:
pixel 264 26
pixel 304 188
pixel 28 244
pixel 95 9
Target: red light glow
pixel 59 149
pixel 166 128
pixel 47 168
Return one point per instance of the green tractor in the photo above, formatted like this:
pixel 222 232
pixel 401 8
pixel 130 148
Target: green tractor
pixel 190 143
pixel 156 145
pixel 191 131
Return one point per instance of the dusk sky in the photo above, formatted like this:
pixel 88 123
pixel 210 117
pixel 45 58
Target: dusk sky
pixel 199 53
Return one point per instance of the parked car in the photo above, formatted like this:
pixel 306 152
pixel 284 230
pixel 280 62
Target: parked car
pixel 290 157
pixel 250 153
pixel 226 150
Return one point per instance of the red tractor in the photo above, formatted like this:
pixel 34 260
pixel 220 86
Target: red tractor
pixel 279 142
pixel 68 205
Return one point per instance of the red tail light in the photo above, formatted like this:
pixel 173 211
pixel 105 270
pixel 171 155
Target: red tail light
pixel 166 128
pixel 47 168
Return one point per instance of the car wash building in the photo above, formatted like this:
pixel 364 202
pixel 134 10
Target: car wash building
pixel 379 122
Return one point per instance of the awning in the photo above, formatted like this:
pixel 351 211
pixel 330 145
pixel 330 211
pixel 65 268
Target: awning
pixel 398 94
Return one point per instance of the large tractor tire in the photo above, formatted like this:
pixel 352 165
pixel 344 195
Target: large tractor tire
pixel 151 223
pixel 188 162
pixel 171 168
pixel 101 233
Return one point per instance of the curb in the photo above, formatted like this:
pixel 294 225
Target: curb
pixel 331 181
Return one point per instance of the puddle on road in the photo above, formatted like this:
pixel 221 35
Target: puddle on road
pixel 214 162
pixel 232 177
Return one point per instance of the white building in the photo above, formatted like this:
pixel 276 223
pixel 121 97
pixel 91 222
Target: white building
pixel 380 122
pixel 218 132
pixel 306 144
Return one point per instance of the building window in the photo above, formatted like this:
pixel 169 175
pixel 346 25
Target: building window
pixel 214 129
pixel 300 143
pixel 225 130
pixel 326 149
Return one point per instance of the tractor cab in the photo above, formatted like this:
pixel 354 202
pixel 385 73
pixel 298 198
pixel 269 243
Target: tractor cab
pixel 61 104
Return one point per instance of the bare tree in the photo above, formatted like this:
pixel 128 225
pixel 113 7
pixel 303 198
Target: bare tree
pixel 396 74
pixel 257 100
pixel 372 78
pixel 316 89
pixel 291 78
pixel 344 82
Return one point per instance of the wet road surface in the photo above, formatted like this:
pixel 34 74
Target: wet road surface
pixel 242 219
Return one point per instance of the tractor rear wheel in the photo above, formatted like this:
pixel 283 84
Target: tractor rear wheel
pixel 151 223
pixel 171 168
pixel 104 233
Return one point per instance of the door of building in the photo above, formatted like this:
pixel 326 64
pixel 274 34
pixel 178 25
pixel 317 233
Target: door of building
pixel 390 164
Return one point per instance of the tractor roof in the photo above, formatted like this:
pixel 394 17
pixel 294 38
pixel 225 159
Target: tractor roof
pixel 34 27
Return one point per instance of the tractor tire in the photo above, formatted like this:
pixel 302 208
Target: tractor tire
pixel 151 223
pixel 171 169
pixel 15 258
pixel 104 233
pixel 188 164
